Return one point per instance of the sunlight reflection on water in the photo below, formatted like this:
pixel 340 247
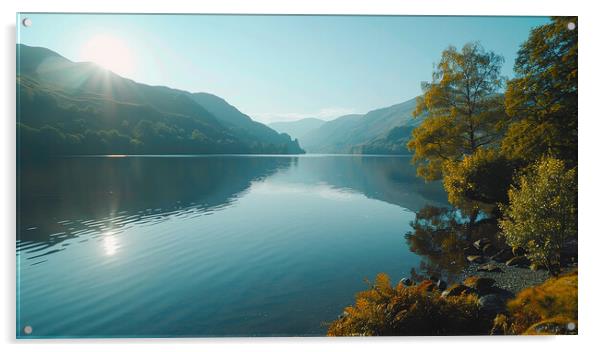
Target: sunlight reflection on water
pixel 107 245
pixel 110 243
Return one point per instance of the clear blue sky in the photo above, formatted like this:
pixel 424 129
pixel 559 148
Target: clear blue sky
pixel 279 67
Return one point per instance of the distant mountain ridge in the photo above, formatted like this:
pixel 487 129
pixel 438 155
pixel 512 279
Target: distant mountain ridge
pixel 297 129
pixel 380 131
pixel 80 108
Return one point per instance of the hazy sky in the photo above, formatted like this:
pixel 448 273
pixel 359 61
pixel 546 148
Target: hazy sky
pixel 276 68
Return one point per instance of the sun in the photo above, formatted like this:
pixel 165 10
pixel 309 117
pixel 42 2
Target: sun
pixel 109 52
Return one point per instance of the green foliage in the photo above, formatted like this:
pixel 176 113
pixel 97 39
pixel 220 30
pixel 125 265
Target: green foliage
pixel 465 110
pixel 49 140
pixel 544 309
pixel 542 211
pixel 542 100
pixel 479 181
pixel 383 310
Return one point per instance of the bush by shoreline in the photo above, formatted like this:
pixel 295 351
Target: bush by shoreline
pixel 477 306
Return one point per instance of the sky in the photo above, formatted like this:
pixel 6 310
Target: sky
pixel 277 68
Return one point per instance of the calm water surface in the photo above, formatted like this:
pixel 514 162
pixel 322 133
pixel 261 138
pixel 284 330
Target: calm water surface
pixel 208 246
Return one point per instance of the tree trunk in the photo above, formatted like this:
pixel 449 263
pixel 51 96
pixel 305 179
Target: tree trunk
pixel 471 224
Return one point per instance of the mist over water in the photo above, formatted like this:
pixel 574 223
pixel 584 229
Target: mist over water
pixel 209 245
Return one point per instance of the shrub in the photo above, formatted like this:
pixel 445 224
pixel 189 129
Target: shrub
pixel 542 212
pixel 545 309
pixel 415 310
pixel 479 182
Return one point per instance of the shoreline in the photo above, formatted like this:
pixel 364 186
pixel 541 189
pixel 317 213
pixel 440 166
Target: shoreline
pixel 511 278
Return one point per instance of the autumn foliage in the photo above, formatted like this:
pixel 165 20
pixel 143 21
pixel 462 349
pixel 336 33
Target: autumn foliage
pixel 463 107
pixel 383 310
pixel 550 308
pixel 542 100
pixel 507 154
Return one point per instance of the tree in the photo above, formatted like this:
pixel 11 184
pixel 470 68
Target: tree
pixel 480 181
pixel 542 211
pixel 542 99
pixel 464 109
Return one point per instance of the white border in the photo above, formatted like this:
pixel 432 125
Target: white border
pixel 590 130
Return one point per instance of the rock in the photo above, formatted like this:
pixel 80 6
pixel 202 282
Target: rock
pixel 457 290
pixel 519 261
pixel 492 304
pixel 480 284
pixel 475 259
pixel 345 314
pixel 503 256
pixel 518 251
pixel 441 285
pixel 490 268
pixel 480 244
pixel 470 250
pixel 536 267
pixel 489 250
pixel 483 284
pixel 406 282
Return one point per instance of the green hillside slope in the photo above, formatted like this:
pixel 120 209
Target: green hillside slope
pixel 381 131
pixel 80 108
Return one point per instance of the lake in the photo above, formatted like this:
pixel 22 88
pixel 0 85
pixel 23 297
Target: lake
pixel 208 245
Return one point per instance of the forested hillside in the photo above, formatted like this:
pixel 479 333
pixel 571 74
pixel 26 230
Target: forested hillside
pixel 381 131
pixel 67 108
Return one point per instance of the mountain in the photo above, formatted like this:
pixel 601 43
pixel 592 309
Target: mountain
pixel 297 129
pixel 381 131
pixel 80 108
pixel 394 142
pixel 245 127
pixel 332 136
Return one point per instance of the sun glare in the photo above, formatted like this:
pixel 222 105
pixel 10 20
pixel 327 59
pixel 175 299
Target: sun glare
pixel 110 244
pixel 109 52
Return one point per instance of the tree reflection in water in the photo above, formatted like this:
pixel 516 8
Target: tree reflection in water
pixel 440 236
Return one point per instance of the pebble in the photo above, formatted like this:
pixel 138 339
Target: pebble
pixel 512 279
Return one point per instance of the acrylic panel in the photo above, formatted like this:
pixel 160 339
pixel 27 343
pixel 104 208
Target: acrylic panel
pixel 274 175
